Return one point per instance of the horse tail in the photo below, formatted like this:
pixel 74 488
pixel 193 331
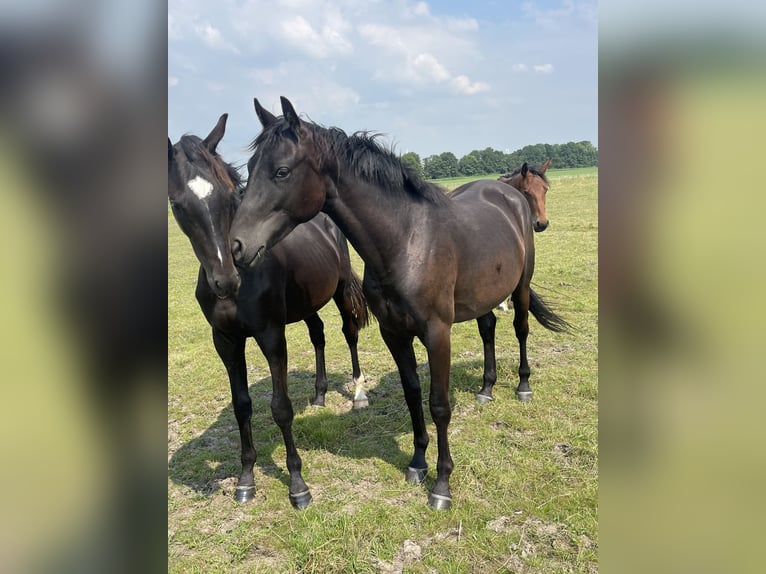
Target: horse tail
pixel 546 316
pixel 354 293
pixel 352 288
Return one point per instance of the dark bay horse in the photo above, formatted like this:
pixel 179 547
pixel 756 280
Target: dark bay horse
pixel 533 185
pixel 295 280
pixel 430 260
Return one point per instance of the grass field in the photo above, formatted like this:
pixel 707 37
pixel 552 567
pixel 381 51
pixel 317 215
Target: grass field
pixel 525 480
pixel 453 182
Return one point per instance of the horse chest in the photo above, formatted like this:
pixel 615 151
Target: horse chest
pixel 222 315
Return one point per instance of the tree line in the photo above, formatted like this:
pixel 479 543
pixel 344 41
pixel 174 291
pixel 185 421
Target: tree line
pixel 490 161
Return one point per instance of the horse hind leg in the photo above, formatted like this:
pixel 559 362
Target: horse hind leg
pixel 351 332
pixel 520 299
pixel 316 334
pixel 486 325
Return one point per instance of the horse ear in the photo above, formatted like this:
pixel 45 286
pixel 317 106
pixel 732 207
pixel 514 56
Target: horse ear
pixel 264 116
pixel 211 141
pixel 524 169
pixel 291 116
pixel 545 166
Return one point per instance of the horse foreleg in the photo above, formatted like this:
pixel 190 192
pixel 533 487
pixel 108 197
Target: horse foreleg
pixel 486 325
pixel 437 343
pixel 274 347
pixel 404 357
pixel 316 333
pixel 521 326
pixel 232 353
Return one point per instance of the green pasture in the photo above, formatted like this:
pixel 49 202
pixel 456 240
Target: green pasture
pixel 453 182
pixel 525 480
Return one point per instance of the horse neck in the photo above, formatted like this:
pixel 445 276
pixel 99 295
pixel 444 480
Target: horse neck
pixel 376 222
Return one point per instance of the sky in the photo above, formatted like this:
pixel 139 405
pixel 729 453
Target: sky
pixel 430 76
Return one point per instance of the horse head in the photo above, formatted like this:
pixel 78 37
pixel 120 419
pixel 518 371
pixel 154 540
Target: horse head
pixel 203 195
pixel 531 182
pixel 284 186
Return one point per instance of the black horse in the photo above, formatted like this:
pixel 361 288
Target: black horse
pixel 430 260
pixel 295 280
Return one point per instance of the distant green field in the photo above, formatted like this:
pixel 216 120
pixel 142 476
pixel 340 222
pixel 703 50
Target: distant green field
pixel 525 484
pixel 453 182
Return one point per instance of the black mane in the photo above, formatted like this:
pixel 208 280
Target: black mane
pixel 362 154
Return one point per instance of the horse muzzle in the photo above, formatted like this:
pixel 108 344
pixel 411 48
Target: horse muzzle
pixel 226 285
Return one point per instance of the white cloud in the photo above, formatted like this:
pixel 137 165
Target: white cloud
pixel 543 68
pixel 427 67
pixel 213 38
pixel 463 85
pixel 519 68
pixel 399 61
pixel 172 81
pixel 421 9
pixel 299 33
pixel 463 24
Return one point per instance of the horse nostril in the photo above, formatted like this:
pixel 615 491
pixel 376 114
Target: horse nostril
pixel 236 248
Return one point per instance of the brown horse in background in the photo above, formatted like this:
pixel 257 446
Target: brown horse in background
pixel 533 185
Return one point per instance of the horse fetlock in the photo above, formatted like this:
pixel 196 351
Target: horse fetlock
pixel 360 398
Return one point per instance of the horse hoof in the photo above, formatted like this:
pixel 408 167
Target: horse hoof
pixel 301 500
pixel 244 493
pixel 524 396
pixel 484 398
pixel 416 475
pixel 439 502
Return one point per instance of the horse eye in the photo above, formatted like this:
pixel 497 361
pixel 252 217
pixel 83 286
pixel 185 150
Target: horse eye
pixel 282 172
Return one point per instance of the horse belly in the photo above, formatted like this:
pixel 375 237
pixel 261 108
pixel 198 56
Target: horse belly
pixel 489 271
pixel 478 295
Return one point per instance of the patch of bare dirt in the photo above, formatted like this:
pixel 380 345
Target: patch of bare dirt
pixel 540 539
pixel 409 553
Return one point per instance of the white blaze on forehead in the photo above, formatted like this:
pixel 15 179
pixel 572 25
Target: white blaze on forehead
pixel 201 187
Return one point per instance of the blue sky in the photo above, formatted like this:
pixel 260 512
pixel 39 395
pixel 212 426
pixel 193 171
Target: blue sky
pixel 433 77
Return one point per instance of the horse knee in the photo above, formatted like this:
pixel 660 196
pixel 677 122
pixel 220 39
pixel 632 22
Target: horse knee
pixel 282 413
pixel 440 411
pixel 243 407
